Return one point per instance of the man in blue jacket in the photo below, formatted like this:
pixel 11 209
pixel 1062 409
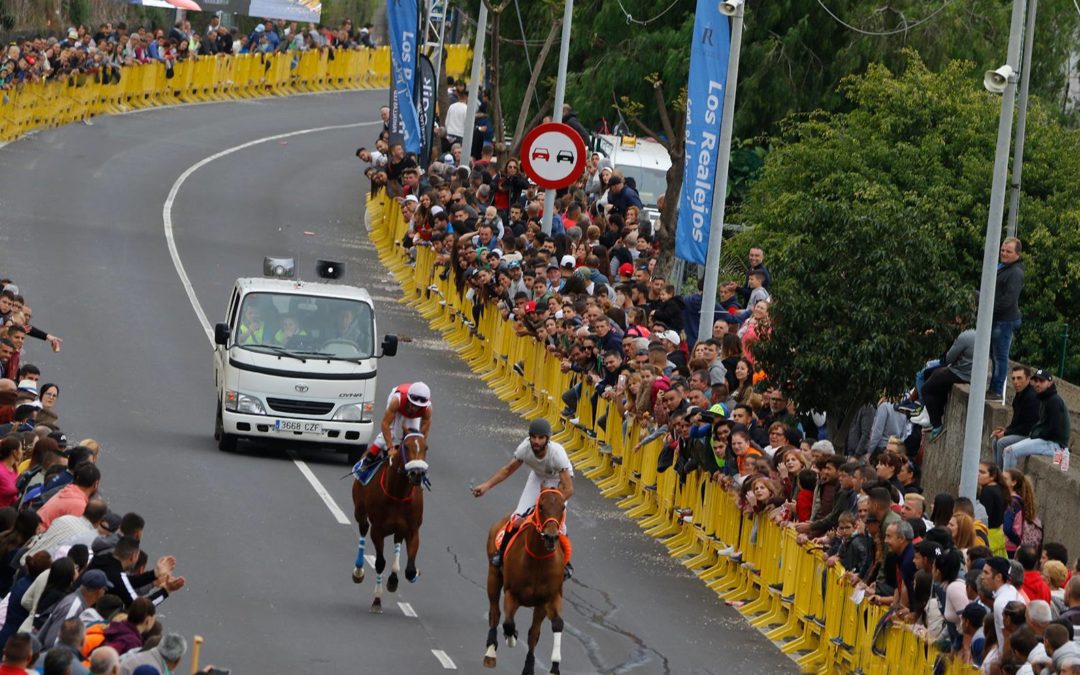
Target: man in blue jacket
pixel 621 196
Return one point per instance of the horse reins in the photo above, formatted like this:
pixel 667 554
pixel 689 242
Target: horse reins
pixel 534 520
pixel 382 475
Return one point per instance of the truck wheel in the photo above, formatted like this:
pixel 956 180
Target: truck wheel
pixel 225 442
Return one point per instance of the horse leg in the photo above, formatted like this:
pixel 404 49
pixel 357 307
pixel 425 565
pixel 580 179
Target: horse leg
pixel 380 565
pixel 361 520
pixel 554 615
pixel 412 547
pixel 510 606
pixel 494 589
pixel 392 581
pixel 534 637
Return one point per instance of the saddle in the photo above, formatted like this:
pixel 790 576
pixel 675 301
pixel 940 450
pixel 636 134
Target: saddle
pixel 366 474
pixel 511 527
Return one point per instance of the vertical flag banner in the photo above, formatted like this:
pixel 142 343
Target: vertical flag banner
pixel 402 17
pixel 704 108
pixel 426 85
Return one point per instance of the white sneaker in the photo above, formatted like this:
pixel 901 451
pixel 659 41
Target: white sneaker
pixel 922 419
pixel 726 551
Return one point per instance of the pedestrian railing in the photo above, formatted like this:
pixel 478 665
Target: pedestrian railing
pixel 784 589
pixel 213 78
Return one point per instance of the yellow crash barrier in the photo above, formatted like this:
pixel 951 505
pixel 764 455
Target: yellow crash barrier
pixel 785 590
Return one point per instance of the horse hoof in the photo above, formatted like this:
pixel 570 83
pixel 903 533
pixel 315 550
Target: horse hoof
pixel 415 576
pixel 489 661
pixel 357 575
pixel 555 669
pixel 376 607
pixel 392 583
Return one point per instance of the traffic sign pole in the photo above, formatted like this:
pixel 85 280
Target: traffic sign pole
pixel 560 93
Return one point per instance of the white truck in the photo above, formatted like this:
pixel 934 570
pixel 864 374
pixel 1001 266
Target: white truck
pixel 642 159
pixel 296 361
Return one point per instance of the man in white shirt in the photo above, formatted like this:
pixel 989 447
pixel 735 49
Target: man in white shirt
pixel 995 574
pixel 456 115
pixel 551 468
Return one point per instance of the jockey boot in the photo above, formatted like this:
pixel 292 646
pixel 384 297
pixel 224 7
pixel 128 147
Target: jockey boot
pixel 368 459
pixel 568 552
pixel 508 534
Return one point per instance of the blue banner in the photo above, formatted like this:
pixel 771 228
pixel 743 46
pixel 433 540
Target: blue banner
pixel 704 108
pixel 401 18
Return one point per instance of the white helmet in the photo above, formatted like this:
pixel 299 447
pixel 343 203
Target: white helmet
pixel 419 395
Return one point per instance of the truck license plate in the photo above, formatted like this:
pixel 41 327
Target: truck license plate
pixel 298 426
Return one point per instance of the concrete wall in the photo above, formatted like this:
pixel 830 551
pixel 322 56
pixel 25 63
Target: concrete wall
pixel 1057 493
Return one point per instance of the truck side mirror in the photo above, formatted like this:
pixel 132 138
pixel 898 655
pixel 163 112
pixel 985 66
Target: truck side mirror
pixel 221 334
pixel 389 345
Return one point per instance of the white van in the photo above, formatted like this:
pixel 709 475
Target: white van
pixel 295 361
pixel 642 159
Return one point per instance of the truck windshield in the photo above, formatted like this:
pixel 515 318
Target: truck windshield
pixel 305 326
pixel 651 183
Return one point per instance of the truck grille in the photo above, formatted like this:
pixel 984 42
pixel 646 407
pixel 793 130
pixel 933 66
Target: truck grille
pixel 288 405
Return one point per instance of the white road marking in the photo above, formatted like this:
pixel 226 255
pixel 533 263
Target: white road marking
pixel 170 240
pixel 338 514
pixel 407 609
pixel 445 660
pixel 370 560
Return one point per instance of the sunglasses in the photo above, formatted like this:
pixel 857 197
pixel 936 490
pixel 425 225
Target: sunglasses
pixel 418 399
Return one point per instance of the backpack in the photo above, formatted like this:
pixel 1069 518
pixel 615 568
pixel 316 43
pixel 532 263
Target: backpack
pixel 1029 536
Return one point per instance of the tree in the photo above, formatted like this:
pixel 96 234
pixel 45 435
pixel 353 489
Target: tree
pixel 873 224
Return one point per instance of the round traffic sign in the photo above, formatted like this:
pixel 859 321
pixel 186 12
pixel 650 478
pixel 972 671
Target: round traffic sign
pixel 553 155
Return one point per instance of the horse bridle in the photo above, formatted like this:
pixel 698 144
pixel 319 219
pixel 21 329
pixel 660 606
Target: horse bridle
pixel 550 519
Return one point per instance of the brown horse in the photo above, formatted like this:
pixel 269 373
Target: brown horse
pixel 531 576
pixel 392 504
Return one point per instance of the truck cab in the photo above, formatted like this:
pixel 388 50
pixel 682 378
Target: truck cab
pixel 297 362
pixel 642 159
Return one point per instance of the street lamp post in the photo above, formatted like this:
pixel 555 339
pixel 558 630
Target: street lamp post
pixel 1002 80
pixel 733 8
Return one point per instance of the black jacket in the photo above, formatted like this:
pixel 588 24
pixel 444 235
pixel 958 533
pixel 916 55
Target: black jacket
pixel 1053 424
pixel 1010 281
pixel 1025 412
pixel 124 585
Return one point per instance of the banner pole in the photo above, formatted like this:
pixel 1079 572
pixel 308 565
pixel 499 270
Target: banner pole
pixel 716 231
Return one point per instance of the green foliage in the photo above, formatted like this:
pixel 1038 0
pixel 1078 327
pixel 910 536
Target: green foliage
pixel 873 222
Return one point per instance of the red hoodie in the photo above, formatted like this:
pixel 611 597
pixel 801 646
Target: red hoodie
pixel 804 505
pixel 1035 586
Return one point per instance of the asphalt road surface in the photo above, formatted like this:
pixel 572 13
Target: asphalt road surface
pixel 266 558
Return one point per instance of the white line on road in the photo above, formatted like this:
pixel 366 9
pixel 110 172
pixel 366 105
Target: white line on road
pixel 338 514
pixel 445 660
pixel 170 240
pixel 407 609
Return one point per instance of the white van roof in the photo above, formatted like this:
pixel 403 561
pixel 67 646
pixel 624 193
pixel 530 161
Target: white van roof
pixel 641 152
pixel 272 285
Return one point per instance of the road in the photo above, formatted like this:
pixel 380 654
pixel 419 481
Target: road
pixel 267 560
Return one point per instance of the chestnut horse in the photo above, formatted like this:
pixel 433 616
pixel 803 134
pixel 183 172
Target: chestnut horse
pixel 392 503
pixel 531 576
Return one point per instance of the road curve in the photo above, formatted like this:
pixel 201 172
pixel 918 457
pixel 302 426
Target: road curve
pixel 267 561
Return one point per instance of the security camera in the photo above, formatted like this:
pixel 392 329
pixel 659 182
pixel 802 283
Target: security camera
pixel 995 81
pixel 729 7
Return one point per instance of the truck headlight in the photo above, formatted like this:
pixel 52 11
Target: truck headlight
pixel 354 412
pixel 246 404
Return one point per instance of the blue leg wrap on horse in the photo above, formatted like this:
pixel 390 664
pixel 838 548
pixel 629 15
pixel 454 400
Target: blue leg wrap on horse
pixel 360 552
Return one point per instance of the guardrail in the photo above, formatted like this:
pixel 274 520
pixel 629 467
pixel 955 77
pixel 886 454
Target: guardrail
pixel 213 78
pixel 789 594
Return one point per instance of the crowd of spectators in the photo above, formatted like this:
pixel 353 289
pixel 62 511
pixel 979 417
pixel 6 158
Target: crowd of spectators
pixel 104 52
pixel 78 592
pixel 975 577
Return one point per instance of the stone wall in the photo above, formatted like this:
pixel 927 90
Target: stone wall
pixel 1057 493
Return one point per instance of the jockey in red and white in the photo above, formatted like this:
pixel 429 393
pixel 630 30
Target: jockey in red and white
pixel 408 410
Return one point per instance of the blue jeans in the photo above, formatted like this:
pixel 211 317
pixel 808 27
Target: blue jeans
pixel 922 375
pixel 1001 334
pixel 1029 446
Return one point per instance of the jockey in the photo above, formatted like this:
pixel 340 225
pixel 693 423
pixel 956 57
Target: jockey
pixel 407 410
pixel 551 468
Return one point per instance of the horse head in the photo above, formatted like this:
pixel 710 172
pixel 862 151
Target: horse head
pixel 550 512
pixel 414 452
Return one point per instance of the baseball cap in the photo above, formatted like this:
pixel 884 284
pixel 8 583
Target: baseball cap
pixel 260 28
pixel 419 394
pixel 626 270
pixel 567 261
pixel 671 336
pixel 111 521
pixel 718 409
pixel 436 210
pixel 95 579
pixel 412 198
pixel 60 437
pixel 999 565
pixel 1043 374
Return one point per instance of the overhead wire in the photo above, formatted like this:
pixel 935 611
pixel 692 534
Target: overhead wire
pixel 630 19
pixel 903 29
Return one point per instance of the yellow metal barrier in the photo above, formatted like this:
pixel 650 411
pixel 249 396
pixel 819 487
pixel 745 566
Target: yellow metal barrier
pixel 52 104
pixel 785 590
